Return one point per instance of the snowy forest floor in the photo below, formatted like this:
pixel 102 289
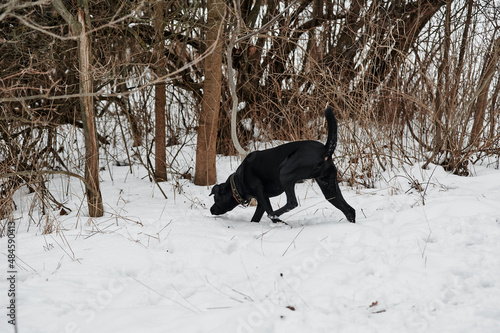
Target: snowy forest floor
pixel 415 261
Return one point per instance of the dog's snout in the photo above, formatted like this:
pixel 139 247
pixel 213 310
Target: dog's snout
pixel 214 210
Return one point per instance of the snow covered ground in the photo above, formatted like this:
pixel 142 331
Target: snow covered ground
pixel 156 265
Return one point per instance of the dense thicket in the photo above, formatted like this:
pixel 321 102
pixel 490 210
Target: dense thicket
pixel 411 79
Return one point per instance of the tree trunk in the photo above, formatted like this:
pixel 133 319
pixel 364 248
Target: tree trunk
pixel 205 173
pixel 484 86
pixel 494 110
pixel 160 148
pixel 94 198
pixel 160 94
pixel 442 85
pixel 79 27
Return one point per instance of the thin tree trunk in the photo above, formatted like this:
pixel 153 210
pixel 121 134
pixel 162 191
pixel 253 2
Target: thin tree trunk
pixel 205 173
pixel 484 86
pixel 442 85
pixel 94 198
pixel 160 148
pixel 79 27
pixel 494 110
pixel 160 94
pixel 457 75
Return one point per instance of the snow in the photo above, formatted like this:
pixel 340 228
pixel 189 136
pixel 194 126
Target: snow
pixel 413 262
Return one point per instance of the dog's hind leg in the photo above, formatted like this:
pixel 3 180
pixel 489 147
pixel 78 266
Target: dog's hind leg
pixel 330 188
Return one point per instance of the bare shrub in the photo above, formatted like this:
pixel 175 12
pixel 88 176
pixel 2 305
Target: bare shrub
pixel 410 82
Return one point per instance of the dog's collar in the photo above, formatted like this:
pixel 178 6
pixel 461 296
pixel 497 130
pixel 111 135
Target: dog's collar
pixel 236 194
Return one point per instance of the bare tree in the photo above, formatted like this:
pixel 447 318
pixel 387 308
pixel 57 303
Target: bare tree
pixel 159 24
pixel 205 173
pixel 80 27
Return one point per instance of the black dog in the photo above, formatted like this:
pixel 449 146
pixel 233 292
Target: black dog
pixel 268 173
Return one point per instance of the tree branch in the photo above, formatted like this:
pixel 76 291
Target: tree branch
pixel 73 23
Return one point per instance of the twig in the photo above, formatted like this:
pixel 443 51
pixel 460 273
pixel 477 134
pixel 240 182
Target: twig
pixel 160 294
pixel 267 25
pixel 293 240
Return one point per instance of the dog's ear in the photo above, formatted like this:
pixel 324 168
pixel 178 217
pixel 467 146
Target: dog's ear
pixel 215 190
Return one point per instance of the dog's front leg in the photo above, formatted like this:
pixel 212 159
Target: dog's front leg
pixel 291 202
pixel 258 212
pixel 264 205
pixel 270 213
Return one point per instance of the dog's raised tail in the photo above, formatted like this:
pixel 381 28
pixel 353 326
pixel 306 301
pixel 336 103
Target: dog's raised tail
pixel 331 142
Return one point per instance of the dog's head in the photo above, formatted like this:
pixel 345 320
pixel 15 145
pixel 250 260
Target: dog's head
pixel 224 199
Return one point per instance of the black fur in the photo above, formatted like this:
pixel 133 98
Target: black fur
pixel 268 173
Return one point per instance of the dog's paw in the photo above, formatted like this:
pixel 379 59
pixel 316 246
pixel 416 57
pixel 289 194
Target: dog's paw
pixel 276 219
